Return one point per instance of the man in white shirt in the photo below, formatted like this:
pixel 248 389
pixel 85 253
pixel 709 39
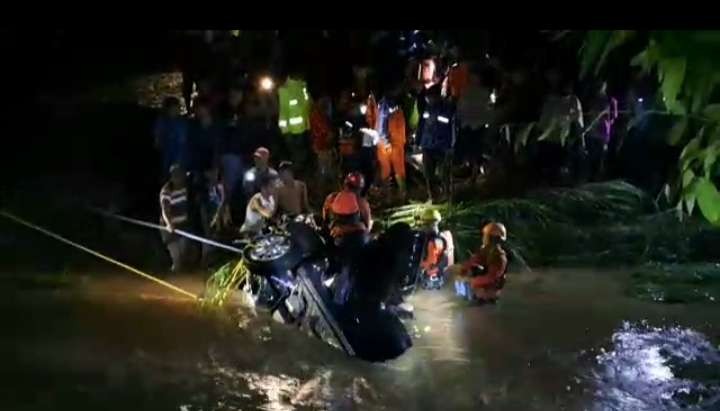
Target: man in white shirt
pixel 261 208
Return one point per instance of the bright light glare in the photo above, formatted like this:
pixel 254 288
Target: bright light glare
pixel 266 83
pixel 493 97
pixel 363 108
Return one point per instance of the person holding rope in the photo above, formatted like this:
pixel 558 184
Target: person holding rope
pixel 262 206
pixel 174 215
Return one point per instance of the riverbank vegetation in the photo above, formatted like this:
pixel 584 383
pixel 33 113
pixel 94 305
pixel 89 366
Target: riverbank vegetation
pixel 610 225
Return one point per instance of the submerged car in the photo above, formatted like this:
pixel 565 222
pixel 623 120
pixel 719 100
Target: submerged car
pixel 293 275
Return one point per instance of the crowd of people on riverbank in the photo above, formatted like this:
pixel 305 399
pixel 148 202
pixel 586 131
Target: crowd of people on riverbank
pixel 444 117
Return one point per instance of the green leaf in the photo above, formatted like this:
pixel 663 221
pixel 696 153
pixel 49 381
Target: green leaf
pixel 640 59
pixel 707 36
pixel 549 131
pixel 690 202
pixel 700 78
pixel 595 42
pixel 676 132
pixel 687 178
pixel 667 192
pixel 711 155
pixel 564 132
pixel 647 58
pixel 692 148
pixel 708 200
pixel 712 111
pixel 672 76
pixel 679 210
pixel 617 38
pixel 522 137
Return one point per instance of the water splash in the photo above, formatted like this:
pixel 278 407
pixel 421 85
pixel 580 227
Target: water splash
pixel 658 369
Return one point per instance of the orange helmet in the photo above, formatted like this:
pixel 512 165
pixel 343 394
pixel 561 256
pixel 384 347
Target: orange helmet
pixel 354 181
pixel 494 230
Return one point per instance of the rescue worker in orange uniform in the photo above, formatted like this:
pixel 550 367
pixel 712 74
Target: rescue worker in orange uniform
pixel 346 212
pixel 457 80
pixel 369 144
pixel 458 75
pixel 390 125
pixel 322 136
pixel 435 260
pixel 482 277
pixel 347 215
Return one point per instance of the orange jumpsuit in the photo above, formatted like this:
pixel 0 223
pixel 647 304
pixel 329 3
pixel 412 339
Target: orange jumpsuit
pixel 494 260
pixel 322 136
pixel 458 79
pixel 433 257
pixel 320 130
pixel 392 156
pixel 371 114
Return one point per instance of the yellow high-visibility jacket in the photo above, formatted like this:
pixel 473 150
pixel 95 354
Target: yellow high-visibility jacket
pixel 294 107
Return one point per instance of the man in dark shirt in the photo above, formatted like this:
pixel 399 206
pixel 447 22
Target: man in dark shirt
pixel 204 136
pixel 203 139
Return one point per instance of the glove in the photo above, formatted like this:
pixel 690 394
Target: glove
pixel 478 270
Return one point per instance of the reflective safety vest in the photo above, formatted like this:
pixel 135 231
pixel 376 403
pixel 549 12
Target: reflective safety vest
pixel 410 109
pixel 294 107
pixel 436 129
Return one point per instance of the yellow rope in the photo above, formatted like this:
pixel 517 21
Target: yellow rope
pixel 221 288
pixel 97 254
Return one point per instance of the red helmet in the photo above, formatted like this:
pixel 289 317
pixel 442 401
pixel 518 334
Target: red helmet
pixel 354 181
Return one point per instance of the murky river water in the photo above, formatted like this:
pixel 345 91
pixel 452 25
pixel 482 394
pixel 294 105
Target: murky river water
pixel 559 340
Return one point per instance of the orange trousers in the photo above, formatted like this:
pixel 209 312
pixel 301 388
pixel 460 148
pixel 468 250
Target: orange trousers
pixel 391 159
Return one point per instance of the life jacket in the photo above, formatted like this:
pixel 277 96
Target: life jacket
pixel 345 216
pixel 490 259
pixel 435 258
pixel 410 111
pixel 449 246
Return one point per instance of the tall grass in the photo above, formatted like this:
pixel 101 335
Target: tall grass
pixel 610 223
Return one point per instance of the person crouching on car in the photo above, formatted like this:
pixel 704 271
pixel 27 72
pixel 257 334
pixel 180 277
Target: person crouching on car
pixel 482 277
pixel 261 208
pixel 347 215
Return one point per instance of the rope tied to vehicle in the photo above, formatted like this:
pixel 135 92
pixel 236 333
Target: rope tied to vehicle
pixel 133 270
